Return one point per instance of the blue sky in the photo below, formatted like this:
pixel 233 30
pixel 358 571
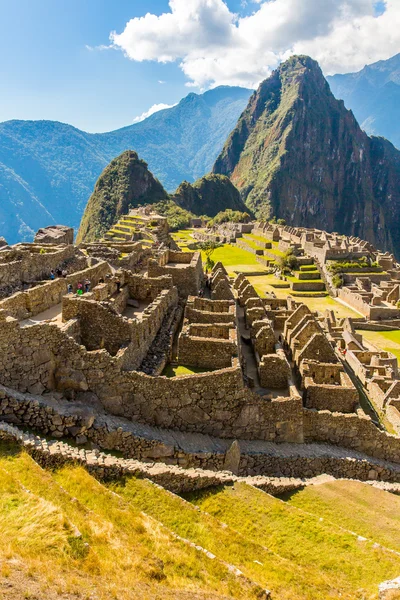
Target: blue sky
pixel 46 71
pixel 52 67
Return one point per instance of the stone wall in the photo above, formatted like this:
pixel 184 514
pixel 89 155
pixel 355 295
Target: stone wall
pixel 55 234
pixel 350 431
pixel 42 297
pixel 328 387
pixel 129 338
pixel 206 352
pixel 185 268
pixel 374 313
pixel 42 357
pixel 25 264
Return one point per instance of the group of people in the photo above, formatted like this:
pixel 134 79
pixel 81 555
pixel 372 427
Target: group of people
pixel 82 288
pixel 58 273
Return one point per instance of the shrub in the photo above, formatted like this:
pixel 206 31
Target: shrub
pixel 337 281
pixel 229 216
pixel 288 262
pixel 342 267
pixel 177 217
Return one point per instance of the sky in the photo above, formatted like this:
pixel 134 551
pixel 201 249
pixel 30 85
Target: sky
pixel 104 64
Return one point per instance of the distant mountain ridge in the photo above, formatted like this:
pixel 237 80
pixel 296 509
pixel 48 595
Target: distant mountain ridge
pixel 373 94
pixel 48 169
pixel 299 154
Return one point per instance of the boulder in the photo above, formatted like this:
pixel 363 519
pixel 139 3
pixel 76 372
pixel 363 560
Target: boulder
pixel 55 234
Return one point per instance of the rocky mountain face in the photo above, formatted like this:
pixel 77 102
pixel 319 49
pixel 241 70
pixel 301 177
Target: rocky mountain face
pixel 48 169
pixel 208 195
pixel 299 154
pixel 124 184
pixel 373 94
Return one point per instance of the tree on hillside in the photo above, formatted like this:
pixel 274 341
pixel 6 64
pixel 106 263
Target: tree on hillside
pixel 208 248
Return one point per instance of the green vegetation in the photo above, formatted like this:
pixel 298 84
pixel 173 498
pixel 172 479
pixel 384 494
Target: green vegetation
pixel 208 248
pixel 124 184
pixel 275 221
pixel 333 558
pixel 287 579
pixel 337 281
pixel 235 259
pixel 209 195
pixel 288 262
pixel 361 508
pixel 228 215
pixel 177 217
pixel 64 534
pixel 362 265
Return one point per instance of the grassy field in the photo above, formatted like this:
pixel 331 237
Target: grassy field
pixel 263 285
pixel 386 340
pixel 335 556
pixel 359 507
pixel 66 536
pixel 171 371
pixel 236 260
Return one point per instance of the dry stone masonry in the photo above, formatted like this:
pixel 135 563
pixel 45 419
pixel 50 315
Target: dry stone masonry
pixel 89 333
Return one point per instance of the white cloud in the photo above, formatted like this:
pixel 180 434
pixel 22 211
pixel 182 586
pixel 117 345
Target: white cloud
pixel 153 109
pixel 215 46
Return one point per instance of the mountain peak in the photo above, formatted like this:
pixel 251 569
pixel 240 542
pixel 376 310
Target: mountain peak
pixel 124 184
pixel 299 154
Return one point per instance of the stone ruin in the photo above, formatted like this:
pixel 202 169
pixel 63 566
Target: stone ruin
pixel 55 234
pixel 85 355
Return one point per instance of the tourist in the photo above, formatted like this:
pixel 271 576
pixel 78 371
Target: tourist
pixel 79 292
pixel 87 286
pixel 64 273
pixel 58 272
pixel 52 275
pixel 70 288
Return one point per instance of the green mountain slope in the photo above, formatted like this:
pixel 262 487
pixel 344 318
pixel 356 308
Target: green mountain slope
pixel 209 195
pixel 297 153
pixel 49 169
pixel 124 184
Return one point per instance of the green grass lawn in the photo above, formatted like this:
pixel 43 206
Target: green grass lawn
pixel 264 285
pixel 385 340
pixel 180 370
pixel 235 259
pixel 64 534
pixel 356 506
pixel 287 579
pixel 349 568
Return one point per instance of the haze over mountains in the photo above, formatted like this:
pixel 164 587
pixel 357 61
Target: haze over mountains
pixel 373 94
pixel 48 169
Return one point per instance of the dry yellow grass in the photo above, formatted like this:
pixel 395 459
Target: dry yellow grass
pixel 81 541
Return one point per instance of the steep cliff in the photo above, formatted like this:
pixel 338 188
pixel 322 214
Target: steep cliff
pixel 297 153
pixel 209 195
pixel 125 183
